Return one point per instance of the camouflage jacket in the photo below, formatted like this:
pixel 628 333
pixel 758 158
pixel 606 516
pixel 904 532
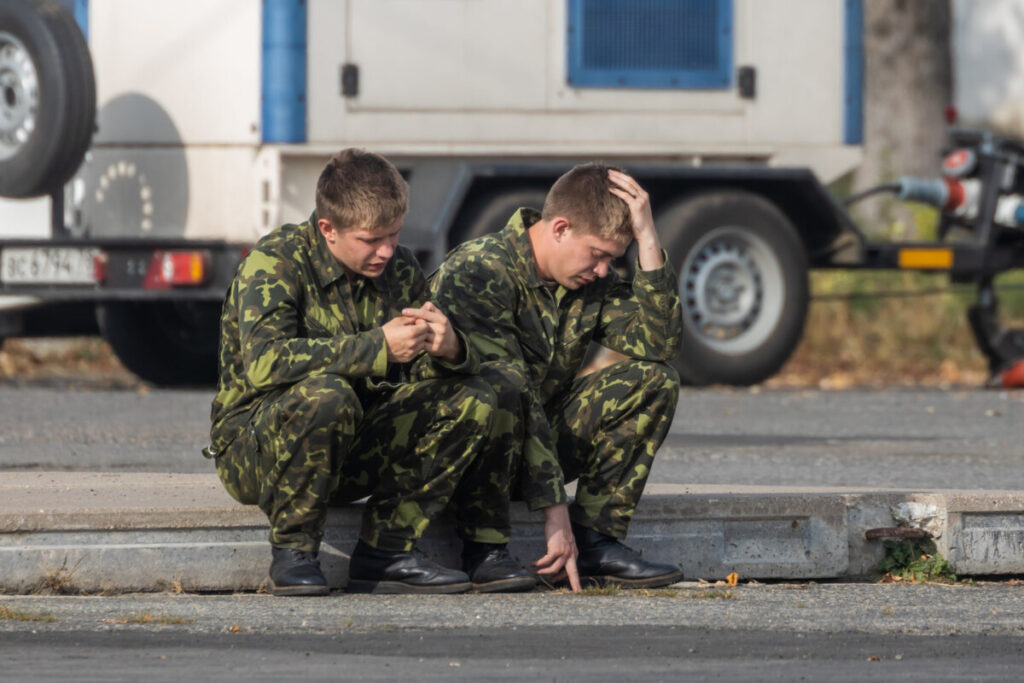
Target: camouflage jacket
pixel 489 288
pixel 291 311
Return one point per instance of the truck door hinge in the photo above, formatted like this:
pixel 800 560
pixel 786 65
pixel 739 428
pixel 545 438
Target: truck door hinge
pixel 746 77
pixel 349 80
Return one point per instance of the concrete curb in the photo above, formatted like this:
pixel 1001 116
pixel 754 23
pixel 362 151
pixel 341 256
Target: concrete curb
pixel 142 532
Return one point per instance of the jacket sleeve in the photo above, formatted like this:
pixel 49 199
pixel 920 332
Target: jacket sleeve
pixel 480 300
pixel 643 318
pixel 270 295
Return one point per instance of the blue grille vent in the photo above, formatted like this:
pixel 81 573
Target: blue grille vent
pixel 650 43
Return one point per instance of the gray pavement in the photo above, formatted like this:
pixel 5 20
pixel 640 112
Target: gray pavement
pixel 837 632
pixel 891 439
pixel 730 447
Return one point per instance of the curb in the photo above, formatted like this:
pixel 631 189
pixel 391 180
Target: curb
pixel 101 532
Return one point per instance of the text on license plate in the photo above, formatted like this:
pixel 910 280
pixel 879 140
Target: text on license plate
pixel 48 265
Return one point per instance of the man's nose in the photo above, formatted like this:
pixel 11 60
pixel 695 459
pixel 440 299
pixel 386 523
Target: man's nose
pixel 601 269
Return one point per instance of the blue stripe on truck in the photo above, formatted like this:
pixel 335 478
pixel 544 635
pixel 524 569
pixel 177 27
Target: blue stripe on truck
pixel 853 123
pixel 82 17
pixel 284 71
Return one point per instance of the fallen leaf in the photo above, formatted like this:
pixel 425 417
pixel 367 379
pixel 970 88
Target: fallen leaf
pixel 873 658
pixel 733 579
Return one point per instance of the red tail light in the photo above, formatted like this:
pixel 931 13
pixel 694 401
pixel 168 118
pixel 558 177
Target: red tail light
pixel 177 269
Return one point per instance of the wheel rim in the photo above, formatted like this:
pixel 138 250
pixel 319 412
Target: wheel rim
pixel 732 290
pixel 19 96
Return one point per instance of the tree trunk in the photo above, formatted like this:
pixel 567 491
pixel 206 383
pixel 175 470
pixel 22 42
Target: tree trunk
pixel 908 85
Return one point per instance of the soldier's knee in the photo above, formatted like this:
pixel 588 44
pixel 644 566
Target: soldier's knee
pixel 328 400
pixel 476 400
pixel 507 379
pixel 662 375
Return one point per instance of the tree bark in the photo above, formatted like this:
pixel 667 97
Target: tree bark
pixel 908 85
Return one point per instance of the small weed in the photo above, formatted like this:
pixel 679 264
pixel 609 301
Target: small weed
pixel 8 614
pixel 712 595
pixel 655 592
pixel 915 561
pixel 148 619
pixel 601 590
pixel 58 581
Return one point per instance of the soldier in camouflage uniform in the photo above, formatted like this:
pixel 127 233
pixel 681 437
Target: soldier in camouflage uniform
pixel 314 407
pixel 531 298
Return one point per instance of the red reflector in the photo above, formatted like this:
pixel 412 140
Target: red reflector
pixel 99 267
pixel 176 269
pixel 951 114
pixel 959 163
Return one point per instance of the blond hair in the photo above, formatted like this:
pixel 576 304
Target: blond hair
pixel 360 189
pixel 582 196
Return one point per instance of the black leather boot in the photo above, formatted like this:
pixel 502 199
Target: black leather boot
pixel 296 572
pixel 382 571
pixel 606 561
pixel 492 570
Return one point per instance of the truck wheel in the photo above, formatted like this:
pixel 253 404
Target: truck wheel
pixel 490 212
pixel 169 344
pixel 47 97
pixel 743 283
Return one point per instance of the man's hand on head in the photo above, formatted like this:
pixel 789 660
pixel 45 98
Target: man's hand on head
pixel 648 245
pixel 405 337
pixel 441 340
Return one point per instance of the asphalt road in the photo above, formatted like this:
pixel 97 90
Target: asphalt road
pixel 837 632
pixel 896 438
pixel 830 632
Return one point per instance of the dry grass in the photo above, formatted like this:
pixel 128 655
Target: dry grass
pixel 148 619
pixel 8 614
pixel 885 341
pixel 58 580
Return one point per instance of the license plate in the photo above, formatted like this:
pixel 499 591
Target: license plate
pixel 48 265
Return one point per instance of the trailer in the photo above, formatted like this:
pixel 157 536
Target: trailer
pixel 213 120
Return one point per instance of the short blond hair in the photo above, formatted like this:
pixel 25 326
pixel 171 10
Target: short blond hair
pixel 360 189
pixel 582 195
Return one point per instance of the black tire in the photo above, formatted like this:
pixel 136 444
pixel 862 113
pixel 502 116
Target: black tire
pixel 490 212
pixel 169 344
pixel 45 129
pixel 743 283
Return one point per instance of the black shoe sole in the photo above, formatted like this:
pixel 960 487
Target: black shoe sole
pixel 653 582
pixel 516 585
pixel 400 588
pixel 284 591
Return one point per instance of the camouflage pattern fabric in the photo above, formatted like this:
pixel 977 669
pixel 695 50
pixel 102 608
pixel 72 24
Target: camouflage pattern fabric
pixel 308 408
pixel 311 445
pixel 539 333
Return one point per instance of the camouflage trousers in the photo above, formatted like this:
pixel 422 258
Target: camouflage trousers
pixel 607 427
pixel 316 443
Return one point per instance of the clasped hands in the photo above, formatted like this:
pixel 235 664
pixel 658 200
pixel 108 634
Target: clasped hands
pixel 420 329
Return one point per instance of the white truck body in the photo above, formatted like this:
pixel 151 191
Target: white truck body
pixel 472 99
pixel 178 89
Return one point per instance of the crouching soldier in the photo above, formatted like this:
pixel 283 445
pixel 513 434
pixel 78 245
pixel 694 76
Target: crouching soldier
pixel 531 298
pixel 313 407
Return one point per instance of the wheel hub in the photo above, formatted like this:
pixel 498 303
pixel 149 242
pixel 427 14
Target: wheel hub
pixel 19 95
pixel 723 289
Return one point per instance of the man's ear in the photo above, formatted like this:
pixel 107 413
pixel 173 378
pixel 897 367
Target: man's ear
pixel 326 229
pixel 560 227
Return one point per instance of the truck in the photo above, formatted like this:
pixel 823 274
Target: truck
pixel 162 140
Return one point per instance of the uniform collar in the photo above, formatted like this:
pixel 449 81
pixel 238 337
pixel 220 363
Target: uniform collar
pixel 328 270
pixel 517 238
